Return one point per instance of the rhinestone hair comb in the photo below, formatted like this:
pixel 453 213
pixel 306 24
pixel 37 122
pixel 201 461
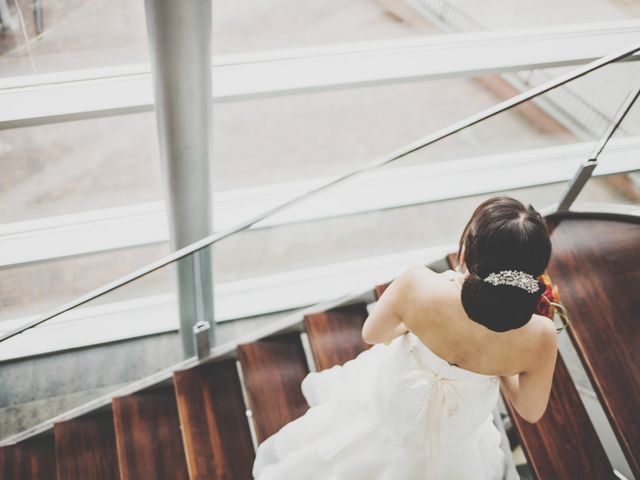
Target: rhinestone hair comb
pixel 515 278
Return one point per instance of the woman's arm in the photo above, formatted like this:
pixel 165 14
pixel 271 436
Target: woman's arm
pixel 384 323
pixel 529 391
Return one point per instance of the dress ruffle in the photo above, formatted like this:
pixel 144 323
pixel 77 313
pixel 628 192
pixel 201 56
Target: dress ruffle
pixel 340 437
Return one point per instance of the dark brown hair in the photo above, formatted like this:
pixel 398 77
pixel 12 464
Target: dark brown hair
pixel 503 234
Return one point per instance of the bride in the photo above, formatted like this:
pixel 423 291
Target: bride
pixel 418 404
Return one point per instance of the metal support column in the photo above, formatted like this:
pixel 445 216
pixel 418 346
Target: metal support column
pixel 7 22
pixel 180 51
pixel 583 174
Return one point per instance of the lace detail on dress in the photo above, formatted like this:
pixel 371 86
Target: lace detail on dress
pixel 398 409
pixel 412 399
pixel 442 398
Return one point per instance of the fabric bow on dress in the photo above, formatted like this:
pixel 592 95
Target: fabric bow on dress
pixel 443 399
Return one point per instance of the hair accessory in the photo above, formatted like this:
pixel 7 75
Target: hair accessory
pixel 515 278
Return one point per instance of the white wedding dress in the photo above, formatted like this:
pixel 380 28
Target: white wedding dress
pixel 395 412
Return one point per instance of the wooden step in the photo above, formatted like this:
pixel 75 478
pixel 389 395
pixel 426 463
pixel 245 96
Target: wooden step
pixel 563 443
pixel 273 369
pixel 32 459
pixel 336 335
pixel 452 260
pixel 379 290
pixel 148 436
pixel 596 264
pixel 86 448
pixel 215 427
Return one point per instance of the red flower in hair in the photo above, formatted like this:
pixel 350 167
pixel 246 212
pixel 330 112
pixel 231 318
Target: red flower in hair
pixel 549 295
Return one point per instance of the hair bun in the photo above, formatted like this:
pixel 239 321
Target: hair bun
pixel 498 307
pixel 503 234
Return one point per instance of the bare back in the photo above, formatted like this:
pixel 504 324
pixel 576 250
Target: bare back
pixel 436 316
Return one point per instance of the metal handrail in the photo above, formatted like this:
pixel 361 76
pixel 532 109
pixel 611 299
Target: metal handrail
pixel 384 160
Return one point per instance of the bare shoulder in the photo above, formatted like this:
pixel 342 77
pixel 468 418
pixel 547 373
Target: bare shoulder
pixel 420 273
pixel 545 332
pixel 413 289
pixel 543 337
pixel 417 279
pixel 423 273
pixel 428 282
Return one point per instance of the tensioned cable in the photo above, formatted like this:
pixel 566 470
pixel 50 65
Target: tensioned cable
pixel 583 174
pixel 386 159
pixel 629 99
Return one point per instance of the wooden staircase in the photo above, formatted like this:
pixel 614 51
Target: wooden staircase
pixel 33 458
pixel 203 423
pixel 215 431
pixel 148 435
pixel 597 261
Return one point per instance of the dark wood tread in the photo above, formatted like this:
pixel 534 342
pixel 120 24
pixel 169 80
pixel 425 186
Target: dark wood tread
pixel 452 260
pixel 273 370
pixel 596 264
pixel 148 436
pixel 378 290
pixel 215 427
pixel 336 335
pixel 86 448
pixel 563 444
pixel 32 459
